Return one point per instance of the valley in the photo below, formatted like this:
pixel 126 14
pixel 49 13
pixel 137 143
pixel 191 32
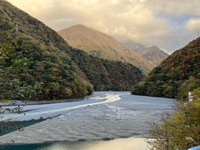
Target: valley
pixel 103 115
pixel 90 91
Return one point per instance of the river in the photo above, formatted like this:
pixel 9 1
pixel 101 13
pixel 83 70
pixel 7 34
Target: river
pixel 89 124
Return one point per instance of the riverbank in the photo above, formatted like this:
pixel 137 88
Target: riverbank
pixel 37 102
pixel 103 116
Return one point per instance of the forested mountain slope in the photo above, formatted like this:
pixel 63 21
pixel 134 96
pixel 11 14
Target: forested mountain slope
pixel 102 45
pixel 107 74
pixel 175 76
pixel 46 52
pixel 37 63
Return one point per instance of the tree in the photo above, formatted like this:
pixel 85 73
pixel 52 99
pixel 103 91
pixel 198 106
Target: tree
pixel 15 77
pixel 14 84
pixel 178 131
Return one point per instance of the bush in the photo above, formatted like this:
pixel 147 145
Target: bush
pixel 179 131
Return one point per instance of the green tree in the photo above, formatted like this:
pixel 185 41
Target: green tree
pixel 179 131
pixel 14 84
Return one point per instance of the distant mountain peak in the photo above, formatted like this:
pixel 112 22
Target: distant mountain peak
pixel 155 47
pixel 175 76
pixel 64 72
pixel 102 45
pixel 152 54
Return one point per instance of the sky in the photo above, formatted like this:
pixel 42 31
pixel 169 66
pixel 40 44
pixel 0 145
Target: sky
pixel 168 24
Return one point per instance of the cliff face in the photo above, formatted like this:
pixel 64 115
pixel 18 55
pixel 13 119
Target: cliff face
pixel 103 46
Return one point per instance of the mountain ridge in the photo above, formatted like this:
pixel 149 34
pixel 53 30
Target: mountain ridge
pixel 175 76
pixel 102 45
pixel 152 54
pixel 43 50
pixel 51 61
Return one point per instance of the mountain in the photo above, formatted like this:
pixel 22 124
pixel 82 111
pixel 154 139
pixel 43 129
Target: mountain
pixel 152 54
pixel 175 76
pixel 103 46
pixel 47 54
pixel 107 74
pixel 136 47
pixel 37 63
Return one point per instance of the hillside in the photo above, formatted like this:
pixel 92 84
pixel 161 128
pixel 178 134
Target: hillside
pixel 175 76
pixel 152 54
pixel 46 52
pixel 37 63
pixel 103 46
pixel 106 74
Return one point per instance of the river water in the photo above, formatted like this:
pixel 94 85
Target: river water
pixel 88 124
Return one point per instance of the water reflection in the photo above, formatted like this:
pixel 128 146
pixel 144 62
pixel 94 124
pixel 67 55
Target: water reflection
pixel 118 144
pixel 128 117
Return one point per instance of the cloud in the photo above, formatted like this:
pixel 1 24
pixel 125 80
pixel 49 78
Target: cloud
pixel 174 7
pixel 193 25
pixel 167 24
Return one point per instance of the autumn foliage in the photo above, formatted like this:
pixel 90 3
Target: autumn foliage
pixel 54 70
pixel 179 131
pixel 173 74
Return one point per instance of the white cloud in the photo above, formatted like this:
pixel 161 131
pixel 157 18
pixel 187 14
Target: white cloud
pixel 193 25
pixel 174 7
pixel 146 21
